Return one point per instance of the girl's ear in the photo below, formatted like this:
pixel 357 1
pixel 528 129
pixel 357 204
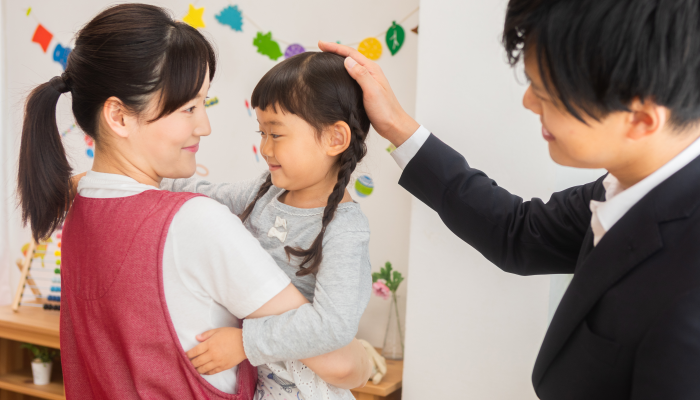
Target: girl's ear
pixel 339 136
pixel 115 117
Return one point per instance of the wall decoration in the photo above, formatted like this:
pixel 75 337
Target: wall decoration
pixel 194 17
pixel 29 11
pixel 69 130
pixel 211 102
pixel 395 37
pixel 60 55
pixel 42 36
pixel 364 186
pixel 391 148
pixel 232 17
pixel 370 48
pixel 415 30
pixel 266 46
pixel 293 49
pixel 255 151
pixel 247 107
pixel 90 151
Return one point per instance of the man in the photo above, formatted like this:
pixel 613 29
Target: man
pixel 616 84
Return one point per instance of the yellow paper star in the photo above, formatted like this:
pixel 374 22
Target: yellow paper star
pixel 194 17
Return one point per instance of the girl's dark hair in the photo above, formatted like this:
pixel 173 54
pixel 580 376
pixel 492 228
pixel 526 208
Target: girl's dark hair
pixel 129 51
pixel 597 56
pixel 317 88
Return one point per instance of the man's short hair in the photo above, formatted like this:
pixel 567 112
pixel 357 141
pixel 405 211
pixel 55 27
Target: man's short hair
pixel 597 56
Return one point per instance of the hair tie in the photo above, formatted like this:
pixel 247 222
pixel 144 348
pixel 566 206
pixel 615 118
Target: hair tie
pixel 59 83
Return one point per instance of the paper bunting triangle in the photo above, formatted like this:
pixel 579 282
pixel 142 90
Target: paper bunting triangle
pixel 43 37
pixel 194 17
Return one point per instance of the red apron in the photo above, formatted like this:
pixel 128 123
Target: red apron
pixel 117 339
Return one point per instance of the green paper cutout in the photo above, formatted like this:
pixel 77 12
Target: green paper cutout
pixel 266 46
pixel 395 37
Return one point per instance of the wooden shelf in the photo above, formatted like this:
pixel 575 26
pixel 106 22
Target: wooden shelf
pixel 30 325
pixel 21 382
pixel 388 388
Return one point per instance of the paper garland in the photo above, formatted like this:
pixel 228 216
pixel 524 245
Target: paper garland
pixel 232 16
pixel 364 186
pixel 43 37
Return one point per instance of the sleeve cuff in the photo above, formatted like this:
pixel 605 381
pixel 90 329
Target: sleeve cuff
pixel 405 153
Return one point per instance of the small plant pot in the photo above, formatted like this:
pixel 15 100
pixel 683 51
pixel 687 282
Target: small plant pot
pixel 41 372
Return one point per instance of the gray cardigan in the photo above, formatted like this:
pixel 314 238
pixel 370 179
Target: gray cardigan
pixel 339 293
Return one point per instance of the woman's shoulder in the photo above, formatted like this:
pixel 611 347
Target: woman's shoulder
pixel 204 216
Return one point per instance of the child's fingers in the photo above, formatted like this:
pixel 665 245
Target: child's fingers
pixel 215 371
pixel 204 369
pixel 197 350
pixel 206 335
pixel 201 360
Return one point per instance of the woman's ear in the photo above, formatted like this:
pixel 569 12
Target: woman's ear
pixel 338 138
pixel 115 116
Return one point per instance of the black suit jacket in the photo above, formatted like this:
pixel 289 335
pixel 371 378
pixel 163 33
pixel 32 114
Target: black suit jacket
pixel 628 326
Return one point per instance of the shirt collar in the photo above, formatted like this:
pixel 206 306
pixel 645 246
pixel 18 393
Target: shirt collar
pixel 619 201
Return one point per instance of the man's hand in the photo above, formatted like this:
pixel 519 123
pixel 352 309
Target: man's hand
pixel 386 114
pixel 221 349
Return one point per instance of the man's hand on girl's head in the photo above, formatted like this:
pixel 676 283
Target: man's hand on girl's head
pixel 383 108
pixel 221 349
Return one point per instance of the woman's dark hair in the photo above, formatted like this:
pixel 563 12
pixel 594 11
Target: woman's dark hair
pixel 129 51
pixel 597 56
pixel 317 88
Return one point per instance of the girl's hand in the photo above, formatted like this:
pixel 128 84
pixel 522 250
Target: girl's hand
pixel 221 349
pixel 386 114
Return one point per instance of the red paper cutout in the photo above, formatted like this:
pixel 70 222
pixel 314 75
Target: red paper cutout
pixel 43 37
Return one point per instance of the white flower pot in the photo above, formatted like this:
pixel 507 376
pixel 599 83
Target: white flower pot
pixel 41 372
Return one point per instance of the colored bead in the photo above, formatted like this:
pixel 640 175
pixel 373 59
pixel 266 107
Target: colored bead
pixel 57 253
pixel 58 262
pixel 57 271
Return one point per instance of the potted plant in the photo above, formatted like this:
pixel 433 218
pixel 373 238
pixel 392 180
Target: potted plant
pixel 385 284
pixel 42 362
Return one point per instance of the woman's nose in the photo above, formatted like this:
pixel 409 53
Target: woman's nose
pixel 204 127
pixel 266 147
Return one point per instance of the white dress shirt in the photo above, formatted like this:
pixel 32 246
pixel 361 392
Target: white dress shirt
pixel 617 200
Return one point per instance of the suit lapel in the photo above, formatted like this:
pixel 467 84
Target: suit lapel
pixel 634 238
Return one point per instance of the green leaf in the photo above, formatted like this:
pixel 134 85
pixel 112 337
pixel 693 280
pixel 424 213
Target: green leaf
pixel 395 37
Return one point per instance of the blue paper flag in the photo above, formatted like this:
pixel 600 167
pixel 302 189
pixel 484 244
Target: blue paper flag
pixel 60 55
pixel 232 17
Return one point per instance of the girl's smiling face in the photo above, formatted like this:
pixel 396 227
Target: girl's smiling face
pixel 296 156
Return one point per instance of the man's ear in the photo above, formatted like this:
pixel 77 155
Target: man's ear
pixel 647 118
pixel 115 116
pixel 338 138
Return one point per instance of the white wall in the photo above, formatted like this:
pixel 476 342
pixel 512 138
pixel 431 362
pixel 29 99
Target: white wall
pixel 473 331
pixel 228 151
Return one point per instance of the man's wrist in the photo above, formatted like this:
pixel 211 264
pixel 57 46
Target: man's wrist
pixel 402 130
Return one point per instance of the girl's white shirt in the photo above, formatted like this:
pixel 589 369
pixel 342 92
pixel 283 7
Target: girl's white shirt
pixel 214 271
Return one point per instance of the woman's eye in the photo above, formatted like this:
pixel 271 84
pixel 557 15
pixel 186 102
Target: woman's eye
pixel 191 109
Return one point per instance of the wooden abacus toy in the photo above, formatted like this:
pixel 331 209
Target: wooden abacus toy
pixel 40 281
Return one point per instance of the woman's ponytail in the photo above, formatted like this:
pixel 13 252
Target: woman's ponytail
pixel 43 183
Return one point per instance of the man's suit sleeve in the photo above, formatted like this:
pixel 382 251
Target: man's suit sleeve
pixel 667 364
pixel 521 237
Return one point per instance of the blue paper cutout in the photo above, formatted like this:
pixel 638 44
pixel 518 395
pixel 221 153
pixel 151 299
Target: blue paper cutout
pixel 60 55
pixel 232 17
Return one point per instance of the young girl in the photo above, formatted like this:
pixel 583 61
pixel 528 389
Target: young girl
pixel 313 127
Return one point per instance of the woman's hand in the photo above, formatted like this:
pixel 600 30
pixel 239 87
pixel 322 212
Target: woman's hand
pixel 221 349
pixel 388 117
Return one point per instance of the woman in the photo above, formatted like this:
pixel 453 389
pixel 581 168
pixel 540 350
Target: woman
pixel 145 270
